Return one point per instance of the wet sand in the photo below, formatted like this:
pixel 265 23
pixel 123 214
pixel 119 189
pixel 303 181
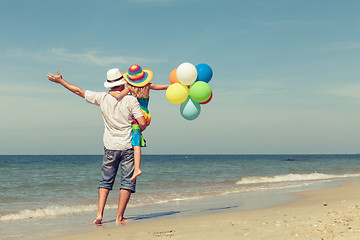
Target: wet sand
pixel 332 213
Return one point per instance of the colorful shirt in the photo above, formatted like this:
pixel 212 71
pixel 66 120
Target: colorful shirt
pixel 144 102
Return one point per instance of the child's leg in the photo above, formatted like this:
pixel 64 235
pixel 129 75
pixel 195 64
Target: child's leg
pixel 137 161
pixel 137 141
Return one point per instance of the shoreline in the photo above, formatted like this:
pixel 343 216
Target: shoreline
pixel 325 213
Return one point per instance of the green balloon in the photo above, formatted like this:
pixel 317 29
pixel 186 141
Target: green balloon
pixel 200 91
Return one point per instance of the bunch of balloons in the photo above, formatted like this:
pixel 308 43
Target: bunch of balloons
pixel 189 88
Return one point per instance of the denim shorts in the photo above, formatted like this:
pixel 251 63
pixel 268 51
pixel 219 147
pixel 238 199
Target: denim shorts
pixel 113 159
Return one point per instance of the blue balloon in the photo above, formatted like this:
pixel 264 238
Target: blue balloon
pixel 190 109
pixel 204 72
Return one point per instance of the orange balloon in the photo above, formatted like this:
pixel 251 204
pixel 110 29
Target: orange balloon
pixel 173 78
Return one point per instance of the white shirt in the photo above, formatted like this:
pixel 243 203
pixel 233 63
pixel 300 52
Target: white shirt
pixel 117 115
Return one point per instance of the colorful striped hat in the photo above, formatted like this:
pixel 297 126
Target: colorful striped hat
pixel 137 76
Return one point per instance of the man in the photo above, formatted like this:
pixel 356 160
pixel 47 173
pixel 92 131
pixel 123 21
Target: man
pixel 118 151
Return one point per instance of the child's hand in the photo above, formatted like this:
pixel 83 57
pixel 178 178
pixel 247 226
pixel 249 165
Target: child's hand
pixel 118 95
pixel 55 79
pixel 113 93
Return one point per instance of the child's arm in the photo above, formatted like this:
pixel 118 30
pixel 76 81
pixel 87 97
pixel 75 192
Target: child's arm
pixel 121 94
pixel 158 87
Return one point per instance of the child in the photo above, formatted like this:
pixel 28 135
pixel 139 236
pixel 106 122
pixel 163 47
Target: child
pixel 139 86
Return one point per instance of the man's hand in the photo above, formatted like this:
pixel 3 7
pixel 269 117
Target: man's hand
pixel 55 79
pixel 58 79
pixel 142 123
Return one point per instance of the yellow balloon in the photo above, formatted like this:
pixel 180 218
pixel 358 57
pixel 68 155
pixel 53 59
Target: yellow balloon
pixel 177 93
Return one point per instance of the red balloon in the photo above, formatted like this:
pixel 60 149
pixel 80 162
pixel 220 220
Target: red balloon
pixel 207 101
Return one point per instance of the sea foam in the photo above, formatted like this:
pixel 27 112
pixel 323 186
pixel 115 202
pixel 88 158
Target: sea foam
pixel 50 211
pixel 293 177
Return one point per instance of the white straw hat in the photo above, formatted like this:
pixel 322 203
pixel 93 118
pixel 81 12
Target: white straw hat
pixel 114 78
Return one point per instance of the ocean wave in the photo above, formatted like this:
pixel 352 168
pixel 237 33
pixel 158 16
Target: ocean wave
pixel 55 211
pixel 293 177
pixel 50 211
pixel 246 184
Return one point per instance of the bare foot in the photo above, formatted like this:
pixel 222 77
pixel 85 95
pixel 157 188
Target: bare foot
pixel 98 220
pixel 137 172
pixel 123 221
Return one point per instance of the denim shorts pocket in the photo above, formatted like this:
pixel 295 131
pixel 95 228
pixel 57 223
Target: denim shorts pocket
pixel 109 155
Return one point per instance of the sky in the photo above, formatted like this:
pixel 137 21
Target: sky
pixel 286 73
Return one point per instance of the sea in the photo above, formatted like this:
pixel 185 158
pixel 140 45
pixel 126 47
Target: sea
pixel 44 196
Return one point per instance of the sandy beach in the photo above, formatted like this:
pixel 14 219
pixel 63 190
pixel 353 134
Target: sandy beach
pixel 332 213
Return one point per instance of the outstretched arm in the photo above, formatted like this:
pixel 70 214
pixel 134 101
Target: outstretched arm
pixel 72 88
pixel 121 94
pixel 158 87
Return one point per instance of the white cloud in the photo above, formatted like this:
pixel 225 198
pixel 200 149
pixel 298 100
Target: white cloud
pixel 346 46
pixel 91 57
pixel 250 88
pixel 10 89
pixel 350 91
pixel 152 1
pixel 292 23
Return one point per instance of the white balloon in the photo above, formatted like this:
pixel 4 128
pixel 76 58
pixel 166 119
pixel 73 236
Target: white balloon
pixel 186 73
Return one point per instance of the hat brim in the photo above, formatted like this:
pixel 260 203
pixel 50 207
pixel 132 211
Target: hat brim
pixel 114 84
pixel 147 78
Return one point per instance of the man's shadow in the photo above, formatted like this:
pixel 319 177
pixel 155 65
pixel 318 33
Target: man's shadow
pixel 147 216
